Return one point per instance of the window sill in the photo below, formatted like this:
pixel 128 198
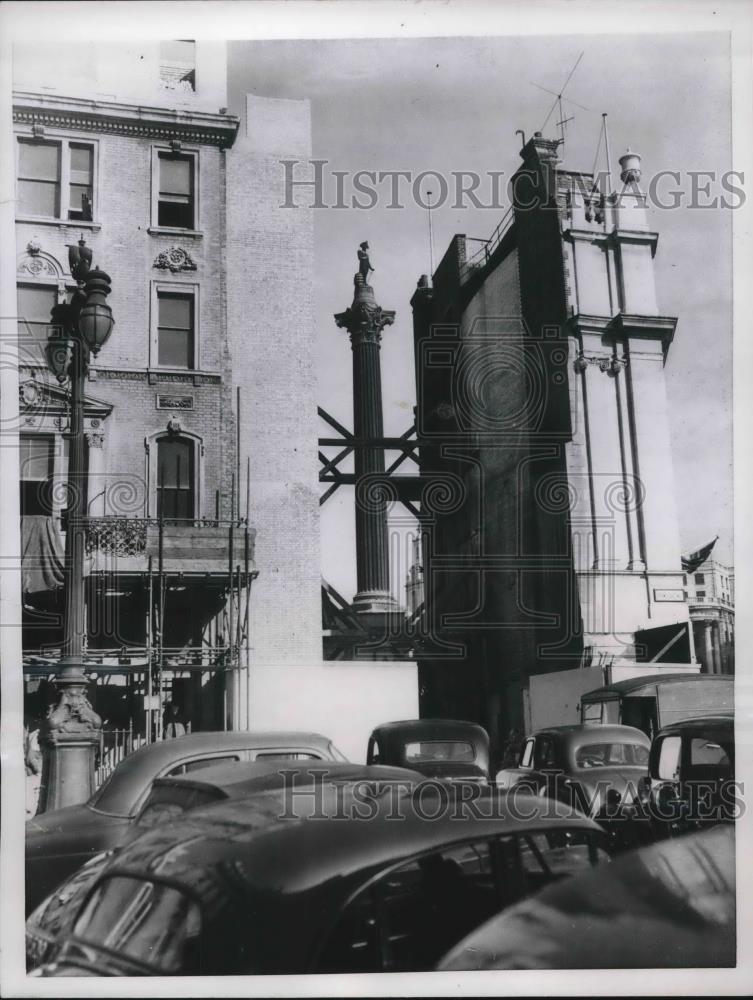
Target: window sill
pixel 43 220
pixel 174 231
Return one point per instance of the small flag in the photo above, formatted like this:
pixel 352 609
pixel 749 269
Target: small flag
pixel 691 562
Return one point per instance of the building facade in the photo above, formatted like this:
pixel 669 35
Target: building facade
pixel 125 151
pixel 542 411
pixel 710 591
pixel 203 569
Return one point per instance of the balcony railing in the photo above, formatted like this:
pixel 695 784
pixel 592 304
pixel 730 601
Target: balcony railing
pixel 186 545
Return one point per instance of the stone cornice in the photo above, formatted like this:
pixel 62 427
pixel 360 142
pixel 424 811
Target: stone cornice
pixel 109 117
pixel 626 325
pixel 613 238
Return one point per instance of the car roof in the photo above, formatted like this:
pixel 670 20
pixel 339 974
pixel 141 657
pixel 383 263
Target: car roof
pixel 700 722
pixel 119 794
pixel 591 729
pixel 431 727
pixel 244 776
pixel 270 850
pixel 633 684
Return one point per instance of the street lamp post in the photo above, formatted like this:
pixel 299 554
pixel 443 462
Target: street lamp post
pixel 71 731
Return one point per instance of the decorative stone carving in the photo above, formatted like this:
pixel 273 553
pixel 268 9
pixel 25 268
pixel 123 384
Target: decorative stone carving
pixel 36 265
pixel 95 439
pixel 29 394
pixel 72 714
pixel 34 246
pixel 612 365
pixel 174 426
pixel 174 259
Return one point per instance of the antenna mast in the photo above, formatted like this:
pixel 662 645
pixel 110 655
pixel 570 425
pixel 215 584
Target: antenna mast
pixel 558 102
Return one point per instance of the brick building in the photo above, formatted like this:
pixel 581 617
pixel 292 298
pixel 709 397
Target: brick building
pixel 542 412
pixel 200 410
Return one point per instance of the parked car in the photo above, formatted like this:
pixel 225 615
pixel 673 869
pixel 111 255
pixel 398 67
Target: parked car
pixel 438 748
pixel 168 799
pixel 60 841
pixel 596 768
pixel 692 774
pixel 249 886
pixel 668 905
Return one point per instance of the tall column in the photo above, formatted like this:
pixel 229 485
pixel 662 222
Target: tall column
pixel 364 321
pixel 716 648
pixel 708 655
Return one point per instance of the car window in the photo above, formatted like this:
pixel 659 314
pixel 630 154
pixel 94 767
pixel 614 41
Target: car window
pixel 372 756
pixel 426 751
pixel 165 803
pixel 607 754
pixel 668 768
pixel 196 765
pixel 412 915
pixel 705 752
pixel 544 754
pixel 147 921
pixel 527 758
pixel 287 755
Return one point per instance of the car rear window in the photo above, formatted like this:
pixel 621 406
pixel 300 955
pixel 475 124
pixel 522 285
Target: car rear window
pixel 429 750
pixel 709 753
pixel 154 924
pixel 610 754
pixel 167 802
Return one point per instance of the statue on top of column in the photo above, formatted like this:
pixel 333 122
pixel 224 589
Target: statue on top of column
pixel 364 265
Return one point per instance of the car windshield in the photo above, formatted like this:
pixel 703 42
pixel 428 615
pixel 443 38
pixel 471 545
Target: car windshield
pixel 611 754
pixel 445 750
pixel 152 923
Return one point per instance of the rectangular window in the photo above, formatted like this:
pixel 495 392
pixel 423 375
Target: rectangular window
pixel 699 578
pixel 56 179
pixel 81 184
pixel 700 593
pixel 175 197
pixel 35 303
pixel 36 453
pixel 175 330
pixel 39 178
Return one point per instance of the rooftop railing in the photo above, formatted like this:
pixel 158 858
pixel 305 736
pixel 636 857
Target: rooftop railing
pixel 482 256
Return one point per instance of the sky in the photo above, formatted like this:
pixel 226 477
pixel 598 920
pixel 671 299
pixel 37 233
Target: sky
pixel 454 104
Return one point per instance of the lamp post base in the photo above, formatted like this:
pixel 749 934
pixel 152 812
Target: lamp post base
pixel 69 740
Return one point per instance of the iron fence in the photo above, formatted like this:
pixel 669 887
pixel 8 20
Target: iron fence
pixel 114 746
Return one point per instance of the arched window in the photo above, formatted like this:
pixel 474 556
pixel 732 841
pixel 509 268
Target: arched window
pixel 175 478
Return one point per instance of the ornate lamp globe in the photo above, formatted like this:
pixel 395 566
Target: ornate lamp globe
pixel 95 320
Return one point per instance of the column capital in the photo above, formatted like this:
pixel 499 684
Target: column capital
pixel 95 439
pixel 364 319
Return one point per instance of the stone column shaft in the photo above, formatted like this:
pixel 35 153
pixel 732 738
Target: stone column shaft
pixel 365 321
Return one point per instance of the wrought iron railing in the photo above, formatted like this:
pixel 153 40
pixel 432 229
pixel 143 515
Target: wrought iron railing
pixel 127 536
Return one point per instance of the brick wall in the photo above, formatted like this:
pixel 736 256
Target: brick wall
pixel 272 349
